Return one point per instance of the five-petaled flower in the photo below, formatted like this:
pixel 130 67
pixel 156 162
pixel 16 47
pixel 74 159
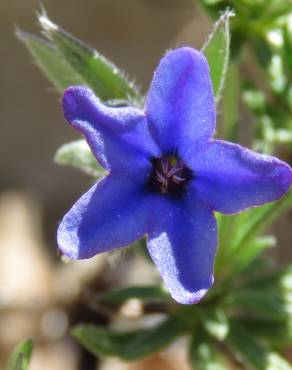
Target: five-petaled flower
pixel 166 176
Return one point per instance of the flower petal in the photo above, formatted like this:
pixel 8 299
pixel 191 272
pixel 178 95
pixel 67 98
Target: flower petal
pixel 111 214
pixel 183 246
pixel 230 178
pixel 180 104
pixel 118 137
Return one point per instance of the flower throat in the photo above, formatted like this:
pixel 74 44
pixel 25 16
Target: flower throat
pixel 169 175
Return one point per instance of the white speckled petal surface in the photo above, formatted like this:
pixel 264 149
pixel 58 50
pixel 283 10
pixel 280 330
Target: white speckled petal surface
pixel 111 214
pixel 180 104
pixel 182 245
pixel 229 178
pixel 118 137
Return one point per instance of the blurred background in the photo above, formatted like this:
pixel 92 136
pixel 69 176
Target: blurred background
pixel 40 296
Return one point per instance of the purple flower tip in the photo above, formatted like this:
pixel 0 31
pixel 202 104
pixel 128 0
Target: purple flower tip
pixel 166 176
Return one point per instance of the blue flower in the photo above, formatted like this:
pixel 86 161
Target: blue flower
pixel 166 176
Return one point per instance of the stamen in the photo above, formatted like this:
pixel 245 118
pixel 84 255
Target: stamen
pixel 174 170
pixel 160 177
pixel 169 175
pixel 178 179
pixel 164 188
pixel 164 164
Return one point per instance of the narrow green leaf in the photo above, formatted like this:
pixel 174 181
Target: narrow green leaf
pixel 50 61
pixel 269 296
pixel 231 99
pixel 20 358
pixel 106 80
pixel 225 237
pixel 217 52
pixel 79 155
pixel 250 252
pixel 118 297
pixel 214 322
pixel 287 47
pixel 254 221
pixel 128 345
pixel 275 333
pixel 280 279
pixel 251 353
pixel 262 49
pixel 265 302
pixel 238 233
pixel 203 354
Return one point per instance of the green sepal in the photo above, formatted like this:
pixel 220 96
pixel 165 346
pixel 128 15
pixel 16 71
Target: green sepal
pixel 79 155
pixel 130 345
pixel 20 358
pixel 101 75
pixel 50 61
pixel 217 51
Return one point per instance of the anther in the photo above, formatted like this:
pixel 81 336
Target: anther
pixel 169 175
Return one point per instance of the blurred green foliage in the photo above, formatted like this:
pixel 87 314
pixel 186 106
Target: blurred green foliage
pixel 261 35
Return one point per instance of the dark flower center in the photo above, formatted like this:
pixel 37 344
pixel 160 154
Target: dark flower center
pixel 169 175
